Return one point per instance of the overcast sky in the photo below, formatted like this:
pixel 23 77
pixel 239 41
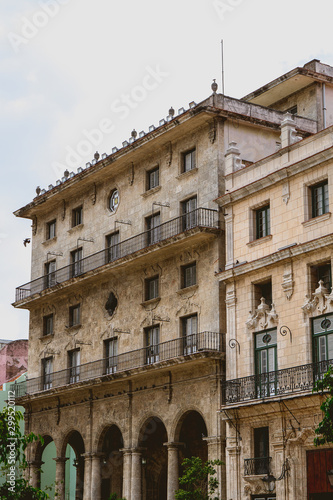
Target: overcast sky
pixel 71 68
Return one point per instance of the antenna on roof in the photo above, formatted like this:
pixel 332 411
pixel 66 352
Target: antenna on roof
pixel 222 67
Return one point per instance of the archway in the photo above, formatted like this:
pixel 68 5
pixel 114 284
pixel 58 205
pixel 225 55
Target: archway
pixel 74 447
pixel 112 462
pixel 152 437
pixel 192 431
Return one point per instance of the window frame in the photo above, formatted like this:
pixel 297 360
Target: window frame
pixel 262 225
pixel 76 263
pixel 46 324
pixel 112 250
pixel 190 340
pixel 191 155
pixel 315 210
pixel 153 231
pixel 152 349
pixel 189 217
pixel 151 181
pixel 77 216
pixel 111 360
pixel 47 375
pixel 51 228
pixel 266 383
pixel 155 281
pixel 50 274
pixel 184 280
pixel 74 369
pixel 75 315
pixel 325 333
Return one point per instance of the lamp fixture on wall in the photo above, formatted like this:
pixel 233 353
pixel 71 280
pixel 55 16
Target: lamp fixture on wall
pixel 270 480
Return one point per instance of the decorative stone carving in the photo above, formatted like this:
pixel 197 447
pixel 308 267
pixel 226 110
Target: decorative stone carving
pixel 263 317
pixel 212 132
pixel 255 486
pixel 168 155
pixel 285 192
pixel 322 301
pixel 34 226
pixel 288 282
pixel 63 213
pixel 131 174
pixel 94 194
pixel 111 304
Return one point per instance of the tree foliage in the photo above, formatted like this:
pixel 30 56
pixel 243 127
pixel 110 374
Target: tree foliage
pixel 12 458
pixel 198 481
pixel 324 430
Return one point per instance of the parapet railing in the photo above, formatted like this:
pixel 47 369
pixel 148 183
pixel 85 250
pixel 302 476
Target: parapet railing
pixel 278 383
pixel 202 342
pixel 255 466
pixel 201 217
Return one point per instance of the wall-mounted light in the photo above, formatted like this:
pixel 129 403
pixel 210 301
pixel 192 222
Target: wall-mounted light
pixel 330 476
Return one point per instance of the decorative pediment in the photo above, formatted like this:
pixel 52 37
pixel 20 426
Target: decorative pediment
pixel 322 301
pixel 263 317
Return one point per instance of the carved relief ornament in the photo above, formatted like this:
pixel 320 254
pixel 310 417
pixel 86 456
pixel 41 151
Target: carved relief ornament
pixel 263 317
pixel 322 301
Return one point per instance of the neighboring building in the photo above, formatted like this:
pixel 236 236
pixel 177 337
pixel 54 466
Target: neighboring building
pixel 279 234
pixel 13 359
pixel 127 314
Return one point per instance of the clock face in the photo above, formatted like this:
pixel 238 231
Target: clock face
pixel 114 200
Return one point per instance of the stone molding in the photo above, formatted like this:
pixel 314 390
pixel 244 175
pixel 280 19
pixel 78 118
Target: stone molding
pixel 322 301
pixel 263 317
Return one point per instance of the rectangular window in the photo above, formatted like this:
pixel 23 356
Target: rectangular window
pixel 153 178
pixel 321 272
pixel 319 198
pixel 77 263
pixel 113 248
pixel 152 338
pixel 77 216
pixel 190 333
pixel 261 450
pixel 51 230
pixel 266 363
pixel 48 324
pixel 263 226
pixel 75 315
pixel 111 354
pixel 189 160
pixel 50 274
pixel 74 365
pixel 189 213
pixel 322 332
pixel 152 288
pixel 263 290
pixel 153 228
pixel 47 369
pixel 188 275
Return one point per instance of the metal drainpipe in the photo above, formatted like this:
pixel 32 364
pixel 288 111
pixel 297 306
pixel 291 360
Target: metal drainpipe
pixel 324 105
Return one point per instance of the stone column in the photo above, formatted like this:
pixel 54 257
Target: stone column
pixel 232 466
pixel 127 469
pixel 60 477
pixel 229 236
pixel 232 348
pixel 87 476
pixel 96 477
pixel 173 469
pixel 34 473
pixel 136 486
pixel 214 448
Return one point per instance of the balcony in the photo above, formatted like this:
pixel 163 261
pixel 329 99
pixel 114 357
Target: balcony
pixel 201 218
pixel 256 466
pixel 182 349
pixel 278 383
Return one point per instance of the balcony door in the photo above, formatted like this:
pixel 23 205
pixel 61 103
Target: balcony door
pixel 189 213
pixel 74 366
pixel 113 249
pixel 111 355
pixel 50 273
pixel 153 229
pixel 322 330
pixel 190 331
pixel 266 363
pixel 77 263
pixel 152 344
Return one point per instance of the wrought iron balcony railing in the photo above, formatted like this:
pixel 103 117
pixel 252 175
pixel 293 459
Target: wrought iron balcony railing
pixel 279 383
pixel 199 218
pixel 256 466
pixel 203 342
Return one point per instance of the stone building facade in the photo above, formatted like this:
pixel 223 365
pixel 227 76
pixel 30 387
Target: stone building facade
pixel 134 283
pixel 279 309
